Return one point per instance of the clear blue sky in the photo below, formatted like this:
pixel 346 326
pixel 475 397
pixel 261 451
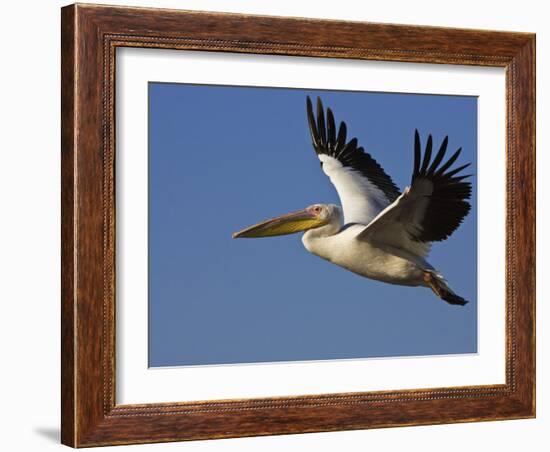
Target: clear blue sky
pixel 223 158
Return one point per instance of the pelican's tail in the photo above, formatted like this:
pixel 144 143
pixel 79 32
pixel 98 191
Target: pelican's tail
pixel 440 287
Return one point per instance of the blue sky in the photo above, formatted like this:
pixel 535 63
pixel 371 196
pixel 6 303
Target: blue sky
pixel 223 158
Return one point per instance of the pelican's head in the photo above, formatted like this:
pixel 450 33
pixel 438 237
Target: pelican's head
pixel 312 217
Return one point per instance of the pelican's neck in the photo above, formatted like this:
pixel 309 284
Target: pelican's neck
pixel 311 238
pixel 316 240
pixel 323 231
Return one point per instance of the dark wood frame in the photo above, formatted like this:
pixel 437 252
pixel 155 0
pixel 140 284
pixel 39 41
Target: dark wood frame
pixel 90 34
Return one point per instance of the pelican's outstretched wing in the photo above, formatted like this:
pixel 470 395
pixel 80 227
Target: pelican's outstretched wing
pixel 430 209
pixel 362 185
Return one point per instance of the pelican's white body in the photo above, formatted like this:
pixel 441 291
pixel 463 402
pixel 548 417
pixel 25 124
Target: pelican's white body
pixel 387 253
pixel 365 258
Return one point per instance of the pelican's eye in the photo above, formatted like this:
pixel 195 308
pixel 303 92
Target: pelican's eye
pixel 317 209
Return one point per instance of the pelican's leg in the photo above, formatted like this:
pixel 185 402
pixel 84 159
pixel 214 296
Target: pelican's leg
pixel 441 289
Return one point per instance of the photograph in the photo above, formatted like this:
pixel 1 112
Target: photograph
pixel 377 257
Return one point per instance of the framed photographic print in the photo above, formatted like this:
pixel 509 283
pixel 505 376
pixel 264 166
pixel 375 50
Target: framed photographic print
pixel 282 225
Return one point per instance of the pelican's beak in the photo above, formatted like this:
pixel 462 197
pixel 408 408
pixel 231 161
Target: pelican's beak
pixel 285 224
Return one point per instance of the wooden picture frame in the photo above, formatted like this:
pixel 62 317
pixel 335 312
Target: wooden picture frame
pixel 90 36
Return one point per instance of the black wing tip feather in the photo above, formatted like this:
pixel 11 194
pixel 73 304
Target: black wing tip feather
pixel 449 200
pixel 323 133
pixel 326 141
pixel 425 167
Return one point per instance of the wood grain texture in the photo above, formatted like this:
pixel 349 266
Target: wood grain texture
pixel 90 36
pixel 68 311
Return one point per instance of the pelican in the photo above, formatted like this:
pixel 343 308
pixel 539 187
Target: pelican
pixel 378 232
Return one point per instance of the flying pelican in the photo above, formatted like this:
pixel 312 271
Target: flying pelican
pixel 378 233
